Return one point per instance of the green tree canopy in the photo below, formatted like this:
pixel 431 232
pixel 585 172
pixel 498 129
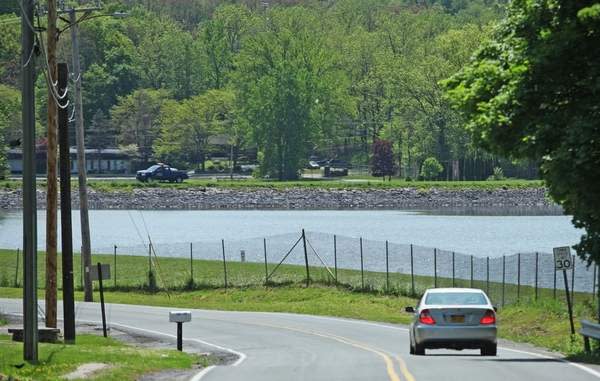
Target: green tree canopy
pixel 136 118
pixel 187 126
pixel 286 78
pixel 532 92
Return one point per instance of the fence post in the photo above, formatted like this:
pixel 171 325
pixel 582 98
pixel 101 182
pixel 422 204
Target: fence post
pixel 17 270
pixel 471 271
pixel 266 267
pixel 115 265
pixel 453 271
pixel 306 258
pixel 362 270
pixel 487 276
pixel 224 262
pixel 335 258
pixel 192 262
pixel 573 282
pixel 503 277
pixel 434 267
pixel 536 275
pixel 412 271
pixel 387 267
pixel 518 276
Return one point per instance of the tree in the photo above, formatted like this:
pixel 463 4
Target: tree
pixel 187 126
pixel 382 163
pixel 220 41
pixel 10 63
pixel 532 92
pixel 136 119
pixel 108 57
pixel 10 113
pixel 284 73
pixel 431 169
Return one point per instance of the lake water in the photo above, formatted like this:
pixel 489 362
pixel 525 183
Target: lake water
pixel 474 232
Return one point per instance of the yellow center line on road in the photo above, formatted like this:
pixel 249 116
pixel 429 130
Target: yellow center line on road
pixel 404 369
pixel 389 364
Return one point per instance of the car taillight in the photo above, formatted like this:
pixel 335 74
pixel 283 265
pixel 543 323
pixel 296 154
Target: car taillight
pixel 488 318
pixel 426 318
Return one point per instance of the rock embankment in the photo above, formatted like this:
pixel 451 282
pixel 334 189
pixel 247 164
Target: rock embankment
pixel 297 198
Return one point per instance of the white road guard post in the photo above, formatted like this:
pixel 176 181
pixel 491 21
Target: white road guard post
pixel 180 317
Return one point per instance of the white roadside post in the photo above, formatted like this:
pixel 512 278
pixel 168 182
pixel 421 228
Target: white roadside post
pixel 180 317
pixel 563 262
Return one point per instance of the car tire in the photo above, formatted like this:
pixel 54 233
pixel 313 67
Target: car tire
pixel 412 349
pixel 489 350
pixel 419 349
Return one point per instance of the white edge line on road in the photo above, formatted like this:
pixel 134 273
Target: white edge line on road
pixel 202 373
pixel 576 365
pixel 241 356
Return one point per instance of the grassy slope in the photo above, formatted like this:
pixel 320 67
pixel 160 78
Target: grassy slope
pixel 56 360
pixel 346 183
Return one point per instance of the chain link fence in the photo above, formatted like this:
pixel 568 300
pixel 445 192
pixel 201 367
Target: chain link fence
pixel 355 263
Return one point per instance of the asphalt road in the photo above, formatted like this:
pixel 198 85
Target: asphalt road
pixel 288 347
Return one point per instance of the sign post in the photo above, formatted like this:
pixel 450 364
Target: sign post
pixel 99 273
pixel 563 262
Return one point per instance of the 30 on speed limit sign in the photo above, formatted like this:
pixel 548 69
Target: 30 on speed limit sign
pixel 562 258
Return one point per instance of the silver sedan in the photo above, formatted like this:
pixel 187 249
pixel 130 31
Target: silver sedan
pixel 454 318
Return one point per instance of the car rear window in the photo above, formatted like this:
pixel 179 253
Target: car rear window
pixel 456 298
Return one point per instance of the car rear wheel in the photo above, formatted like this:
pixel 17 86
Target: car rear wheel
pixel 489 350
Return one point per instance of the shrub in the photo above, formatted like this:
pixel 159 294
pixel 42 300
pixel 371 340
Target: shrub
pixel 431 168
pixel 498 174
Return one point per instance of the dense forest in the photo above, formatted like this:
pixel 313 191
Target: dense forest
pixel 278 81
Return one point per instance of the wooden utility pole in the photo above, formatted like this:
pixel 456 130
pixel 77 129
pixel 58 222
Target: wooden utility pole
pixel 30 319
pixel 51 192
pixel 86 247
pixel 65 211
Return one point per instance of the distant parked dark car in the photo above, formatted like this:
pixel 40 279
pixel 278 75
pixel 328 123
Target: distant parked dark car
pixel 336 167
pixel 161 172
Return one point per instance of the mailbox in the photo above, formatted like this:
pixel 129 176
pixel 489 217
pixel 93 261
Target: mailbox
pixel 180 316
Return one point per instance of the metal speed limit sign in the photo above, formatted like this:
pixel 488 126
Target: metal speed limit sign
pixel 562 258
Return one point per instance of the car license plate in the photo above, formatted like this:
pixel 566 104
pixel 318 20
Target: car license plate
pixel 457 318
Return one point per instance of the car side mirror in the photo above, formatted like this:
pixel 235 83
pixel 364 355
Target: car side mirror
pixel 495 309
pixel 409 309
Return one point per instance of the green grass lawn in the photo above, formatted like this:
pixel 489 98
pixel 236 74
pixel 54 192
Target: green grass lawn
pixel 353 182
pixel 543 322
pixel 56 360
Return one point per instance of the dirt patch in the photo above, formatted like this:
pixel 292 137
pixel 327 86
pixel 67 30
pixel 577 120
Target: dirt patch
pixel 86 371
